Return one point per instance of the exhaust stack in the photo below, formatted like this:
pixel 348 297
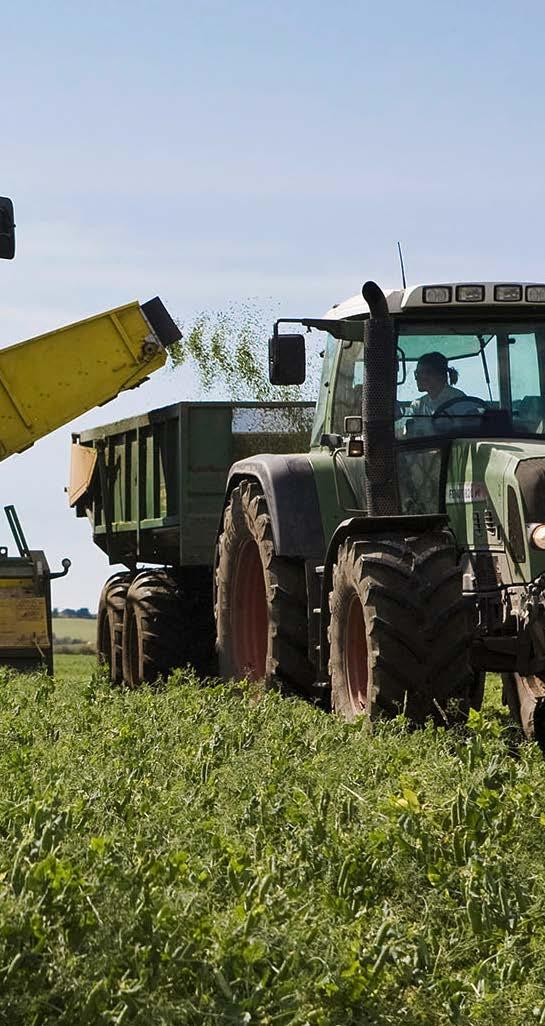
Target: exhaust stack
pixel 379 383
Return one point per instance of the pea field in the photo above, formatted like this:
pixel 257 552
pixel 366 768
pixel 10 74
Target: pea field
pixel 204 853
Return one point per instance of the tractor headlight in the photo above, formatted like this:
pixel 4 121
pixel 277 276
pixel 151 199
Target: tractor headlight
pixel 508 293
pixel 437 294
pixel 537 537
pixel 470 293
pixel 535 293
pixel 353 425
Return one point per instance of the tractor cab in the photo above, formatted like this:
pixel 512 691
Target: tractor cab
pixel 464 367
pixel 469 364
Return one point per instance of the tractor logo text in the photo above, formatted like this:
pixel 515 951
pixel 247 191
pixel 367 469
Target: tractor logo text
pixel 467 491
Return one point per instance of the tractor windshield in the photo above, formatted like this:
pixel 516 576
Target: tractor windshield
pixel 458 378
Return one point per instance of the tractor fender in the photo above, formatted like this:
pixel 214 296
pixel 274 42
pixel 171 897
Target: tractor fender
pixel 359 526
pixel 292 500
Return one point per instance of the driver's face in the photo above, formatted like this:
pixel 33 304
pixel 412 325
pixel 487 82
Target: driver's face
pixel 425 378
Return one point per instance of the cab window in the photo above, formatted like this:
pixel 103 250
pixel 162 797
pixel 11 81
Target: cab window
pixel 347 398
pixel 323 394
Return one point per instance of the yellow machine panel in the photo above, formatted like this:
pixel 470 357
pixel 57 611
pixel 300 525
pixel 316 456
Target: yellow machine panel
pixel 23 616
pixel 48 380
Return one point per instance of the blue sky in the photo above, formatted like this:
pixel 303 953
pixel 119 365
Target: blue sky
pixel 211 152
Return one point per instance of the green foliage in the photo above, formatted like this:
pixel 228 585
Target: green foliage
pixel 213 854
pixel 228 350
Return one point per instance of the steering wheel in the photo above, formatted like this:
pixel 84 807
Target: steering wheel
pixel 459 399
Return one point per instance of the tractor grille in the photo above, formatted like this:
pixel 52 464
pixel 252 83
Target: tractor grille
pixel 491 524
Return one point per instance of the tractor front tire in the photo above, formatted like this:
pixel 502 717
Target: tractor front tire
pixel 260 599
pixel 168 623
pixel 400 630
pixel 111 610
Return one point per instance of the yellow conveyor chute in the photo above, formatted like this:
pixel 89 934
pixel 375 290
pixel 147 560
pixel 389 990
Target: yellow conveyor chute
pixel 48 380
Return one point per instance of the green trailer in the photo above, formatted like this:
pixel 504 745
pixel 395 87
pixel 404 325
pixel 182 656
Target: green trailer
pixel 153 487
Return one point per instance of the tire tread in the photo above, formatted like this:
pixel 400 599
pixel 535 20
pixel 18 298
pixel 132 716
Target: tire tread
pixel 413 607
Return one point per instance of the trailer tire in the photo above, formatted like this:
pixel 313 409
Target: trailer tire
pixel 260 599
pixel 111 609
pixel 168 623
pixel 400 630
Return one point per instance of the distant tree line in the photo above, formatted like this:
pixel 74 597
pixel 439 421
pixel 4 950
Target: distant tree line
pixel 80 614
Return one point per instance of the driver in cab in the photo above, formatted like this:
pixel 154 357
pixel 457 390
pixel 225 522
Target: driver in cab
pixel 434 377
pixel 436 380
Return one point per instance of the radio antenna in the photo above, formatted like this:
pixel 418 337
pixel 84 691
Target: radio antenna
pixel 403 278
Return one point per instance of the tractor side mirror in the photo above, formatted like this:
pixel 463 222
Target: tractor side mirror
pixel 7 229
pixel 287 359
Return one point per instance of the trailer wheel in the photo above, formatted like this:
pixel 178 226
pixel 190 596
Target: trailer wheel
pixel 168 623
pixel 400 630
pixel 525 697
pixel 260 599
pixel 111 608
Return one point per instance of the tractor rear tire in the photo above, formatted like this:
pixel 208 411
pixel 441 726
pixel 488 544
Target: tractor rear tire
pixel 168 623
pixel 260 599
pixel 111 610
pixel 400 630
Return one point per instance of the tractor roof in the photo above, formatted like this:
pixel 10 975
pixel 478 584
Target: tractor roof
pixel 449 296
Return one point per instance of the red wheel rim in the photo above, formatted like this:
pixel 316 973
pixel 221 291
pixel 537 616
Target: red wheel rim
pixel 250 618
pixel 355 656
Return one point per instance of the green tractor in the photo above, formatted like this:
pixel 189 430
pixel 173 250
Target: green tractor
pixel 404 556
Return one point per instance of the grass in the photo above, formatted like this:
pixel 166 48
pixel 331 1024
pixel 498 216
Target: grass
pixel 200 855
